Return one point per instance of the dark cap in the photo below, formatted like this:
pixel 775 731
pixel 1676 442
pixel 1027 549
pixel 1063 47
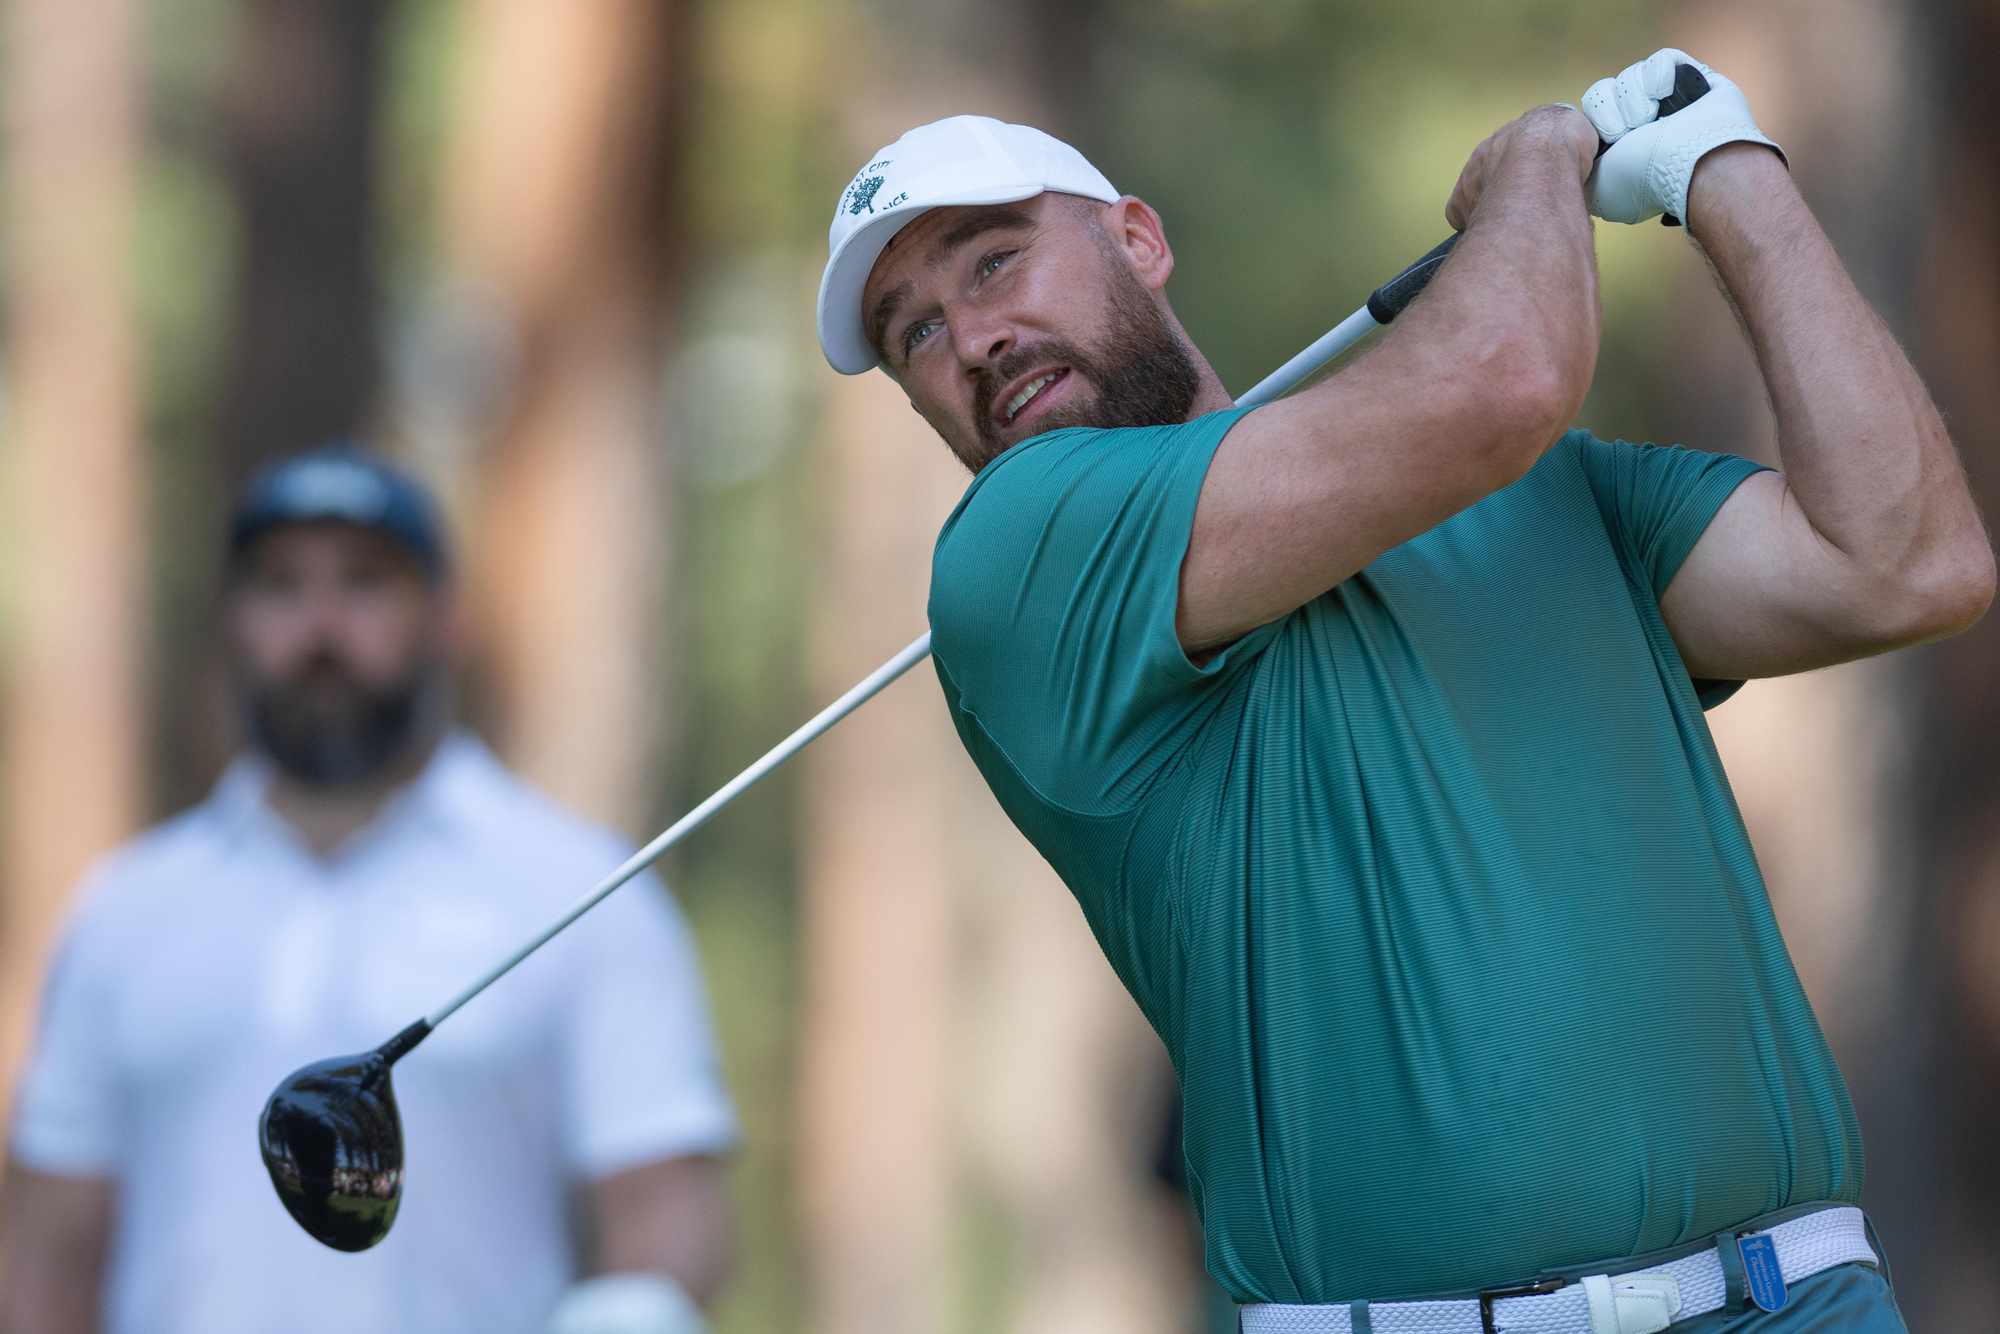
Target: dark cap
pixel 340 483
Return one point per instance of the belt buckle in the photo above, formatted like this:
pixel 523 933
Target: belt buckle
pixel 1541 1287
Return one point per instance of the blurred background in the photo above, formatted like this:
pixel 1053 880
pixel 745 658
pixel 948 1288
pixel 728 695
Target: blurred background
pixel 561 259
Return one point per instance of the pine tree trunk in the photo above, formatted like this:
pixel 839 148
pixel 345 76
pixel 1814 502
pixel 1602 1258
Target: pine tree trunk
pixel 981 1102
pixel 74 540
pixel 882 874
pixel 562 220
pixel 1945 1229
pixel 300 109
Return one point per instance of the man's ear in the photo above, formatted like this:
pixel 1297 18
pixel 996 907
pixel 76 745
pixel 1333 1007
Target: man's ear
pixel 1136 230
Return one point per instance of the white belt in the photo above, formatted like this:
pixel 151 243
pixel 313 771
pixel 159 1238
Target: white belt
pixel 1638 1302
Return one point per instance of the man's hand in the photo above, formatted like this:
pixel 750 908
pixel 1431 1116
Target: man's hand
pixel 1545 128
pixel 1651 158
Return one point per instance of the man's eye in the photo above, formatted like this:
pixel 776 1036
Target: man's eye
pixel 994 261
pixel 365 579
pixel 915 334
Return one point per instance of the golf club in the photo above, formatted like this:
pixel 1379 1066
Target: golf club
pixel 331 1135
pixel 330 1132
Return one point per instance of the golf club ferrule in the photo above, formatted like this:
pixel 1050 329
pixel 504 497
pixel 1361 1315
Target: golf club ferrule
pixel 400 1046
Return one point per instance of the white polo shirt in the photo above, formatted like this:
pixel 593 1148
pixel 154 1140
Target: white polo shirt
pixel 214 955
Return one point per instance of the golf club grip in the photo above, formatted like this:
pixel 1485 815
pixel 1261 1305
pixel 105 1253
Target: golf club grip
pixel 1386 302
pixel 1690 86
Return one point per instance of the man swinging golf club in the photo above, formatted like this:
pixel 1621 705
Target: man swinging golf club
pixel 1366 726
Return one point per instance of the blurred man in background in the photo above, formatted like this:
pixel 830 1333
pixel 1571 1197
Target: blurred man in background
pixel 363 858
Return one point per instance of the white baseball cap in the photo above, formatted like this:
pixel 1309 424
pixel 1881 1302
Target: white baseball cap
pixel 958 160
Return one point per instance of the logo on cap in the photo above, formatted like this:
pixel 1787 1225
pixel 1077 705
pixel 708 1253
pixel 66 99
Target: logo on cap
pixel 861 194
pixel 861 191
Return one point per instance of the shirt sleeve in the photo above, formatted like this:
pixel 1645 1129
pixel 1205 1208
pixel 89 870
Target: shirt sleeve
pixel 643 1074
pixel 1657 501
pixel 1054 592
pixel 67 1107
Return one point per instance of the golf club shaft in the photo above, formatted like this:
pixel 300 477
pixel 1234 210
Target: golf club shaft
pixel 1384 304
pixel 699 816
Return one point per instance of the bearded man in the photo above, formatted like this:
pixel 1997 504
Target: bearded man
pixel 359 858
pixel 1366 726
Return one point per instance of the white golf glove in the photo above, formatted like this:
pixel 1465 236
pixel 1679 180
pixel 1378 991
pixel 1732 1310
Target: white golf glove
pixel 1646 170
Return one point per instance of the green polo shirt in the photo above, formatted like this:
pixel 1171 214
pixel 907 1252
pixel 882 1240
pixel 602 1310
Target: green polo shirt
pixel 1434 888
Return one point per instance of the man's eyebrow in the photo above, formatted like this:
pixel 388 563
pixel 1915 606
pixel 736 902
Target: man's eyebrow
pixel 995 217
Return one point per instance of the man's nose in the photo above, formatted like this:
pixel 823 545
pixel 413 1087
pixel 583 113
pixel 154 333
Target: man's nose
pixel 326 611
pixel 981 337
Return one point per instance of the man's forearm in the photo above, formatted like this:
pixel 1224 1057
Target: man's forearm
pixel 1526 266
pixel 672 1216
pixel 1864 450
pixel 54 1233
pixel 43 1291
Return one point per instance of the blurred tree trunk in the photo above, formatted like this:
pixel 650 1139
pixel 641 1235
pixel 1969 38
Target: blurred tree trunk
pixel 1946 1273
pixel 562 220
pixel 957 1010
pixel 75 544
pixel 298 107
pixel 879 890
pixel 301 114
pixel 1871 790
pixel 882 861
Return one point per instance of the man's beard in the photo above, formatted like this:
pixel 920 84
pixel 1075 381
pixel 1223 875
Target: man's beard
pixel 322 727
pixel 1143 374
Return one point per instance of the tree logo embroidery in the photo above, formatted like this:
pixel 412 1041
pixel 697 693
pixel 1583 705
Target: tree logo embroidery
pixel 861 194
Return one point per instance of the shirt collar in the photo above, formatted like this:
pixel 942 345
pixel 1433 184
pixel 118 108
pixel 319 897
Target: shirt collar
pixel 453 790
pixel 459 786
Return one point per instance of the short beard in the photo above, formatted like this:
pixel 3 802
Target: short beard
pixel 372 728
pixel 1143 373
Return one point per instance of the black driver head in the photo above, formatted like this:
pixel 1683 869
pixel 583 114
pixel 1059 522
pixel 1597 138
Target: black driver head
pixel 333 1144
